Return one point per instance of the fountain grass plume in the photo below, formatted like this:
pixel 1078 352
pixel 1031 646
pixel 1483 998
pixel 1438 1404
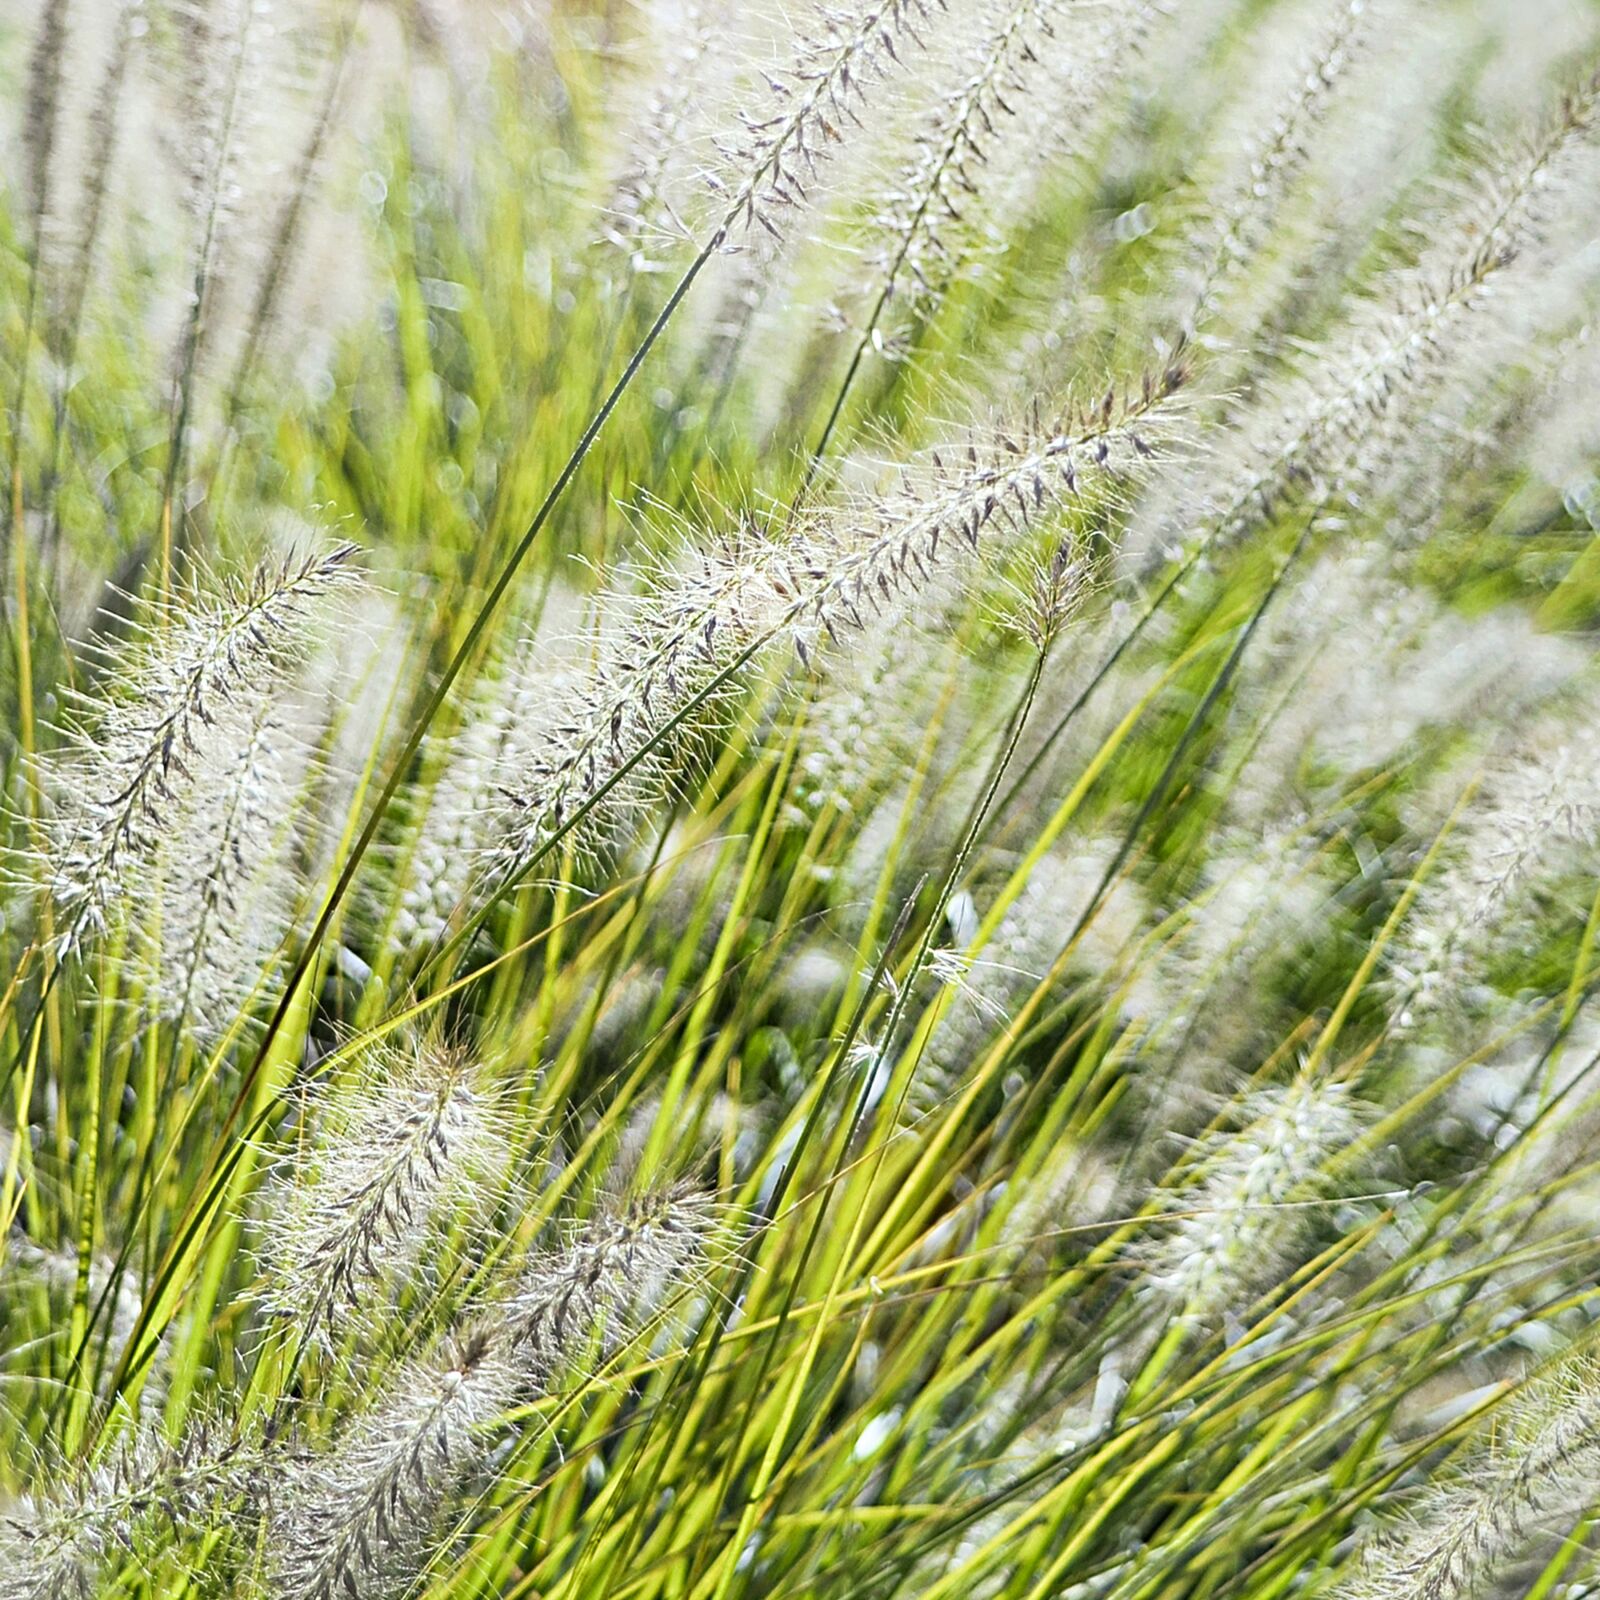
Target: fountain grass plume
pixel 385 1164
pixel 617 737
pixel 127 767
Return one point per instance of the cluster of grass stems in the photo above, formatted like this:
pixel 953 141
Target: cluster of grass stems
pixel 799 802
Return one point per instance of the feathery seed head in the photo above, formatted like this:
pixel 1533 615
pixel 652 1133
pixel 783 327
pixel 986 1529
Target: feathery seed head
pixel 414 1144
pixel 641 216
pixel 853 749
pixel 180 704
pixel 362 1518
pixel 1240 227
pixel 1326 429
pixel 1056 586
pixel 225 892
pixel 932 192
pixel 1538 805
pixel 842 571
pixel 775 157
pixel 366 1514
pixel 58 1543
pixel 1465 1531
pixel 1534 811
pixel 609 1279
pixel 612 741
pixel 1237 1218
pixel 880 546
pixel 215 44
